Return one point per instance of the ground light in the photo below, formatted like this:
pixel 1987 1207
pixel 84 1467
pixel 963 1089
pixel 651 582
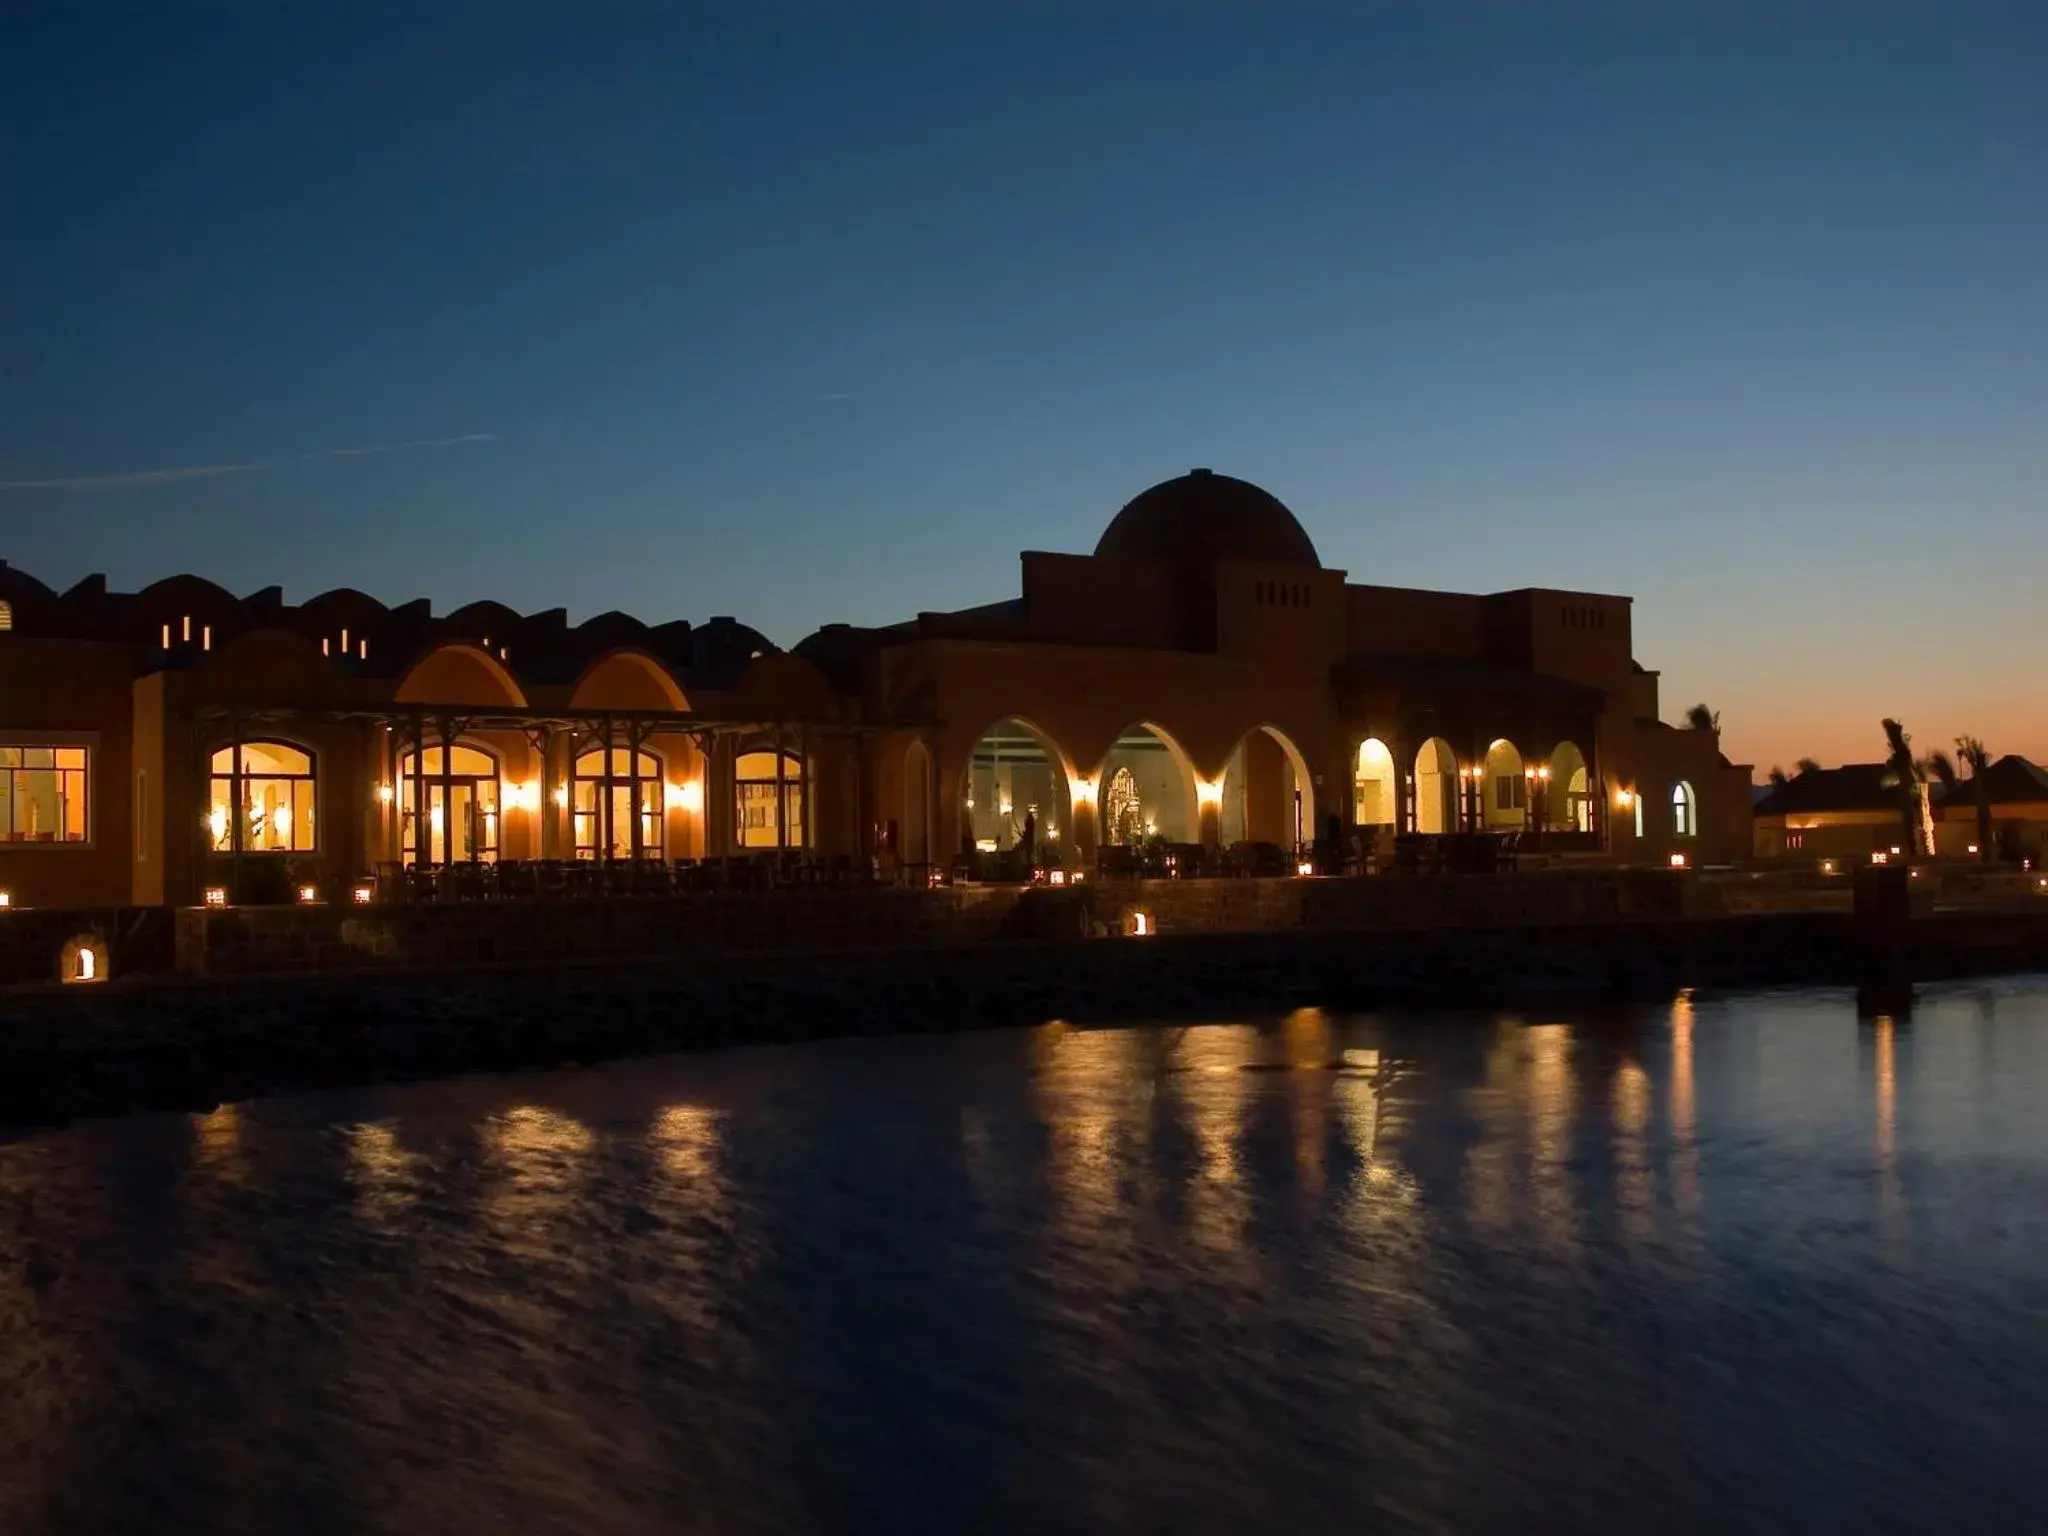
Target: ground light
pixel 216 895
pixel 1139 924
pixel 6 900
pixel 84 960
pixel 1678 861
pixel 362 895
pixel 308 895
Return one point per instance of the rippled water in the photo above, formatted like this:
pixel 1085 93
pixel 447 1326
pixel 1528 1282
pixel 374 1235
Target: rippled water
pixel 1747 1264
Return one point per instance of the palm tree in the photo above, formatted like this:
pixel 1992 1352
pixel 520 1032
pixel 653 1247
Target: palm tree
pixel 1778 777
pixel 1976 757
pixel 1910 775
pixel 1701 718
pixel 1807 765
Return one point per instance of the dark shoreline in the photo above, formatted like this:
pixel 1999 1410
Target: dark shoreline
pixel 73 1052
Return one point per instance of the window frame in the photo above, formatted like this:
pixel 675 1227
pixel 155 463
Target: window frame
pixel 1685 810
pixel 593 815
pixel 239 781
pixel 87 742
pixel 787 791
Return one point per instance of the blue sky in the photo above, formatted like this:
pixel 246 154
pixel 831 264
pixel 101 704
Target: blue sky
pixel 811 312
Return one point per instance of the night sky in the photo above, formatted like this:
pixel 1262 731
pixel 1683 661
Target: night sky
pixel 813 312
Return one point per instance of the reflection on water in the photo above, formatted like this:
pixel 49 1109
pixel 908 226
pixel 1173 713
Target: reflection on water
pixel 1741 1255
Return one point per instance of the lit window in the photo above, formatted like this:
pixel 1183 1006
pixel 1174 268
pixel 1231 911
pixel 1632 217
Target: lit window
pixel 6 614
pixel 1639 815
pixel 264 804
pixel 461 794
pixel 44 794
pixel 769 788
pixel 604 821
pixel 1685 820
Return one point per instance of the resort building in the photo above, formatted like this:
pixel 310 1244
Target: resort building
pixel 1201 680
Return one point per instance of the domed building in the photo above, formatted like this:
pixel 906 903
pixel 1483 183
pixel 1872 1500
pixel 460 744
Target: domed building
pixel 1201 681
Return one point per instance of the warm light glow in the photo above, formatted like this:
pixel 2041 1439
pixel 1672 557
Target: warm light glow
pixel 1879 856
pixel 308 894
pixel 217 824
pixel 1543 774
pixel 1083 791
pixel 435 818
pixel 216 895
pixel 82 961
pixel 1678 861
pixel 522 797
pixel 1624 797
pixel 6 900
pixel 1079 876
pixel 281 819
pixel 561 794
pixel 1059 877
pixel 362 894
pixel 1304 868
pixel 384 793
pixel 985 845
pixel 1207 792
pixel 1151 827
pixel 689 795
pixel 1827 866
pixel 1141 923
pixel 1973 847
pixel 1004 808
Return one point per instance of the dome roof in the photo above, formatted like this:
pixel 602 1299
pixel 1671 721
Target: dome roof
pixel 1204 517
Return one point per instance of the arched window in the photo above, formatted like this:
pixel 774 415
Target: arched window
pixel 262 799
pixel 602 804
pixel 768 789
pixel 461 798
pixel 1122 811
pixel 1685 816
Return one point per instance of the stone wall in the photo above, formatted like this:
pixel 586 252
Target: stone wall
pixel 252 940
pixel 137 940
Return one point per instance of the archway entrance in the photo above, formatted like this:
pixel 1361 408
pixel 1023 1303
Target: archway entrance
pixel 1436 788
pixel 1268 796
pixel 1505 789
pixel 1014 781
pixel 917 804
pixel 1372 788
pixel 1568 797
pixel 1147 789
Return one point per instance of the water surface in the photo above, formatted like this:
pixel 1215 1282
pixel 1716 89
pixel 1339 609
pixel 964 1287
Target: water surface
pixel 1742 1264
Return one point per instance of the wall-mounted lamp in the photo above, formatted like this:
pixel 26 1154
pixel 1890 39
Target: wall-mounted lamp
pixel 384 793
pixel 1208 791
pixel 689 795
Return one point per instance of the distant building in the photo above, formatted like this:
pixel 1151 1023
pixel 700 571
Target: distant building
pixel 1856 810
pixel 1848 812
pixel 1200 678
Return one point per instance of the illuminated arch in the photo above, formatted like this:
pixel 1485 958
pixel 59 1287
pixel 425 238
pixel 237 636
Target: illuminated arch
pixel 1169 792
pixel 459 674
pixel 1012 767
pixel 1504 788
pixel 1685 810
pixel 1437 788
pixel 1265 793
pixel 1568 792
pixel 628 679
pixel 1374 797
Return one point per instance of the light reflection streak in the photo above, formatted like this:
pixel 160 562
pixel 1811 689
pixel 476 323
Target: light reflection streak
pixel 1308 1041
pixel 382 1170
pixel 1213 1088
pixel 1685 1156
pixel 1635 1184
pixel 1890 1196
pixel 540 1155
pixel 685 1141
pixel 1551 1090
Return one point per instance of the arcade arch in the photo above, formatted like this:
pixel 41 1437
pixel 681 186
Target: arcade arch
pixel 1436 788
pixel 1267 794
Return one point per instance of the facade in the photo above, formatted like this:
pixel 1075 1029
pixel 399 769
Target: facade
pixel 1200 678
